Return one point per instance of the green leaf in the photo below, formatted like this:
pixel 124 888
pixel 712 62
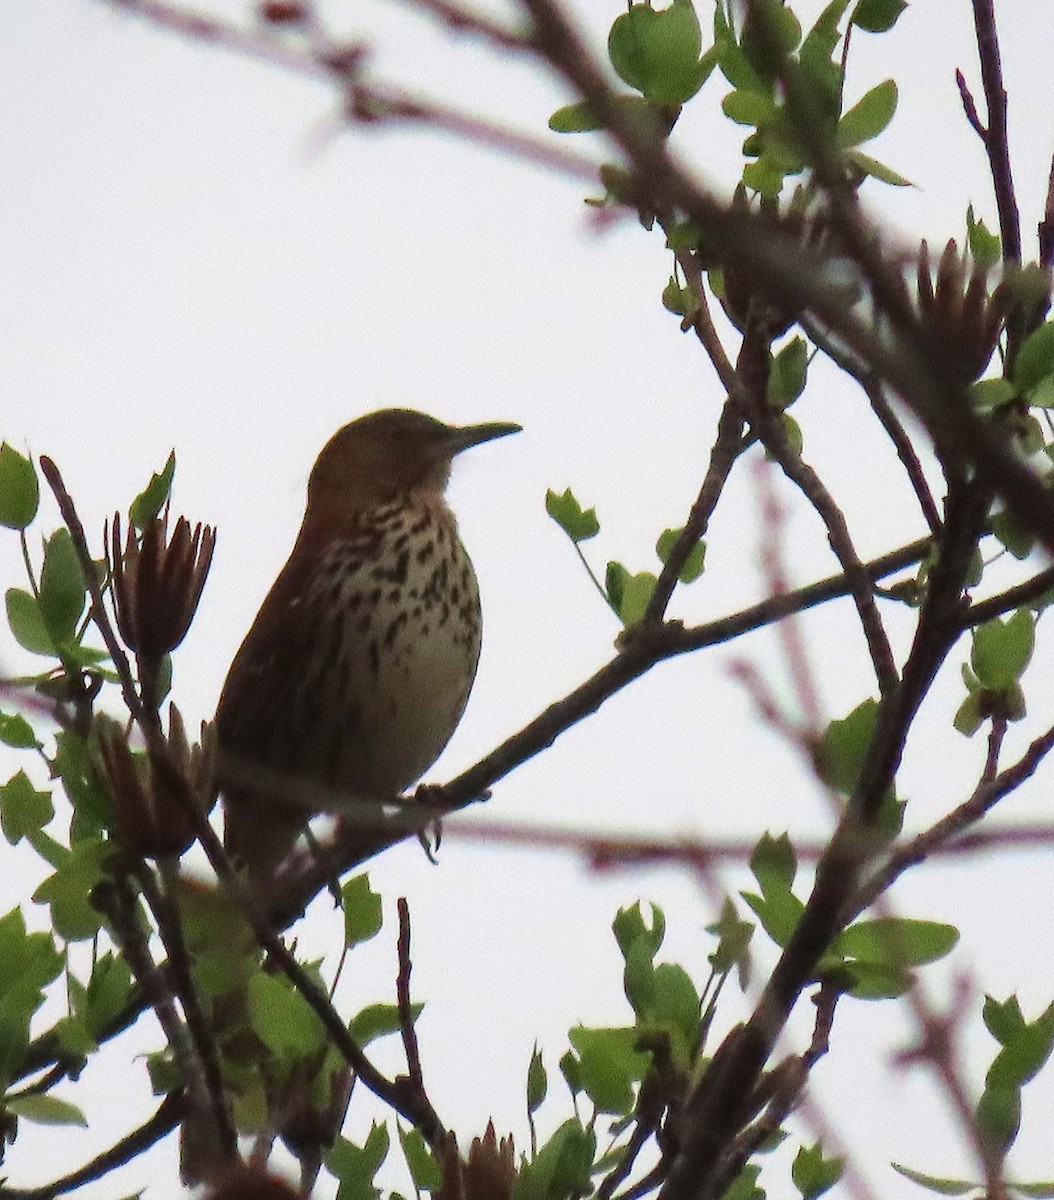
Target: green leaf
pixel 26 959
pixel 897 941
pixel 987 394
pixel 575 118
pixel 355 1166
pixel 1004 1021
pixel 745 1185
pixel 571 1069
pixel 609 1065
pixel 19 489
pixel 773 864
pixel 675 1006
pixel 537 1081
pixel 628 594
pixel 27 622
pixel 933 1183
pixel 629 928
pixel 579 524
pixel 23 809
pixel 62 588
pixel 787 373
pixel 282 1018
pixel 733 946
pixel 693 564
pixel 658 51
pixel 749 108
pixel 561 1167
pixel 1017 541
pixel 1024 1054
pixel 867 165
pixel 778 912
pixel 108 992
pixel 998 1118
pixel 46 1110
pixel 812 1174
pixel 985 247
pixel 638 978
pixel 845 744
pixel 869 116
pixel 16 731
pixel 677 299
pixel 877 16
pixel 145 507
pixel 876 981
pixel 1002 650
pixel 1035 359
pixel 379 1020
pixel 68 891
pixel 423 1167
pixel 363 915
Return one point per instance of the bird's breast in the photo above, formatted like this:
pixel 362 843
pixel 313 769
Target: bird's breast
pixel 401 618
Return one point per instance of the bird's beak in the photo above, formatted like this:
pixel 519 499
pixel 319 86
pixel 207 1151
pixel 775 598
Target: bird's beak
pixel 463 437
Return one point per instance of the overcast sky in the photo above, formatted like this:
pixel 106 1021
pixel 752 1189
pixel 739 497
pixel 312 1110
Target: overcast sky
pixel 193 257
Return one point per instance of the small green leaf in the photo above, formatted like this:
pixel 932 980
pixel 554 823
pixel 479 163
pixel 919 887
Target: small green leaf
pixel 19 489
pixel 1004 1021
pixel 693 564
pixel 998 1118
pixel 575 118
pixel 609 1066
pixel 424 1169
pixel 363 914
pixel 282 1018
pixel 46 1110
pixel 62 588
pixel 579 524
pixel 1017 541
pixel 749 108
pixel 933 1183
pixel 733 946
pixel 537 1081
pixel 867 165
pixel 658 51
pixel 787 373
pixel 629 928
pixel 986 394
pixel 17 732
pixel 1002 650
pixel 876 981
pixel 23 809
pixel 355 1166
pixel 813 1174
pixel 1035 359
pixel 899 941
pixel 869 116
pixel 628 594
pixel 845 744
pixel 379 1020
pixel 147 504
pixel 985 247
pixel 774 864
pixel 1024 1054
pixel 27 623
pixel 877 16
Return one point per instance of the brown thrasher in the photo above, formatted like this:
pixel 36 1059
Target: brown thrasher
pixel 357 668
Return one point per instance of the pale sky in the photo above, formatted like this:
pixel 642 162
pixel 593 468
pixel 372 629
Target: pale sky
pixel 193 258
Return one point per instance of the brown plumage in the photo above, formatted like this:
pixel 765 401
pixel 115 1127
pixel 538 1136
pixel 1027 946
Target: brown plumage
pixel 358 666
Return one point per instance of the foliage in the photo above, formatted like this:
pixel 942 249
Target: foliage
pixel 252 1041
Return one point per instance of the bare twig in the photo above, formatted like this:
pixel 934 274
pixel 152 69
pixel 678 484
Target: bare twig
pixel 164 1120
pixel 402 993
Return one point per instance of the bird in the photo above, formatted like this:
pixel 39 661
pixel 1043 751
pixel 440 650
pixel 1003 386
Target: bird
pixel 358 666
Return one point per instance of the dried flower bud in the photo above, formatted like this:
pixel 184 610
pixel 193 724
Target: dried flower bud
pixel 961 320
pixel 150 798
pixel 157 584
pixel 488 1174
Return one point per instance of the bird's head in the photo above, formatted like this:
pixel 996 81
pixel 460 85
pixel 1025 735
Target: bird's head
pixel 389 453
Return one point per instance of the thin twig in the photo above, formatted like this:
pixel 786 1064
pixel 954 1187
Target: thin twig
pixel 164 1120
pixel 727 447
pixel 402 993
pixel 99 614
